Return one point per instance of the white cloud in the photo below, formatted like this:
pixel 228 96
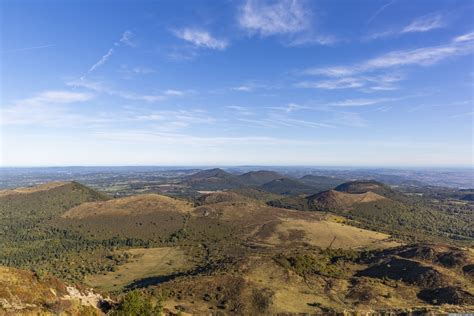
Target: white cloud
pixel 101 61
pixel 44 107
pixel 174 92
pixel 361 102
pixel 172 120
pixel 465 38
pixel 329 71
pixel 309 39
pixel 243 88
pixel 16 50
pixel 201 39
pixel 341 83
pixel 350 119
pixel 56 96
pixel 365 83
pixel 425 56
pixel 425 23
pixel 463 114
pixel 277 17
pixel 380 10
pixel 290 107
pixel 240 110
pixel 135 71
pixel 127 39
pixel 422 24
pixel 128 95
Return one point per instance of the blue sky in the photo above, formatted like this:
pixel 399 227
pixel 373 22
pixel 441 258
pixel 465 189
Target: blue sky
pixel 353 83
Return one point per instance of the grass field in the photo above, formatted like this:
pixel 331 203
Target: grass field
pixel 325 233
pixel 144 263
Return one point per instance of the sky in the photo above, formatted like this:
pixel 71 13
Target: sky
pixel 251 82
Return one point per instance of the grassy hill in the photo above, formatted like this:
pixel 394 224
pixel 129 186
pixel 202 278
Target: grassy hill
pixel 287 186
pixel 336 200
pixel 212 180
pixel 410 218
pixel 321 183
pixel 356 187
pixel 236 253
pixel 260 177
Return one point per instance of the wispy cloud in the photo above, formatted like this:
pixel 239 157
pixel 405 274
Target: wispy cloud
pixel 56 96
pixel 17 50
pixel 253 85
pixel 424 24
pixel 280 17
pixel 290 107
pixel 135 71
pixel 128 95
pixel 353 76
pixel 241 110
pixel 463 114
pixel 365 83
pixel 172 120
pixel 379 11
pixel 361 102
pixel 174 92
pixel 44 107
pixel 201 39
pixel 310 39
pixel 419 25
pixel 125 39
pixel 101 61
pixel 437 105
pixel 332 84
pixel 277 121
pixel 244 88
pixel 465 38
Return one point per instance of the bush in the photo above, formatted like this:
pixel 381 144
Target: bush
pixel 135 303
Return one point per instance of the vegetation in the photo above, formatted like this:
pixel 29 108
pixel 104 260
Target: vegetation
pixel 137 303
pixel 238 251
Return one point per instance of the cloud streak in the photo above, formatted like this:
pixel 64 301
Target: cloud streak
pixel 46 107
pixel 128 95
pixel 125 40
pixel 17 50
pixel 379 11
pixel 356 75
pixel 281 17
pixel 201 39
pixel 424 24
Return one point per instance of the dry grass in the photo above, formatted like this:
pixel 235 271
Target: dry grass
pixel 341 200
pixel 145 263
pixel 38 188
pixel 133 205
pixel 322 233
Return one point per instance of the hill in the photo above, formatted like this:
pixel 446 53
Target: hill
pixel 211 173
pixel 137 205
pixel 365 186
pixel 260 177
pixel 212 180
pixel 321 183
pixel 233 253
pixel 336 200
pixel 25 293
pixel 23 209
pixel 218 197
pixel 287 186
pixel 256 194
